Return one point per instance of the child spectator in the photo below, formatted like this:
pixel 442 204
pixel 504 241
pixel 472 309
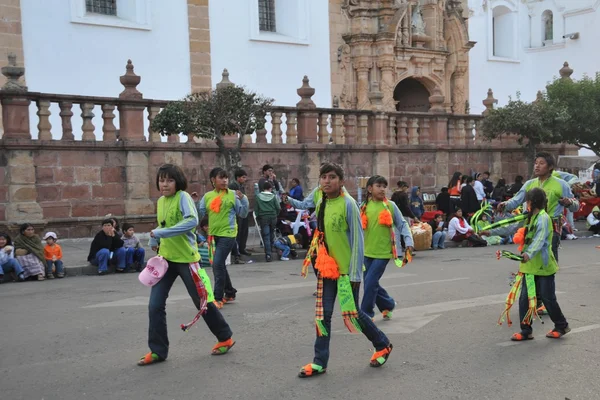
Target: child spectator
pixel 287 244
pixel 459 230
pixel 267 208
pixel 442 201
pixel 53 255
pixel 439 235
pixel 593 221
pixel 416 202
pixel 8 263
pixel 296 190
pixel 135 254
pixel 107 245
pixel 202 239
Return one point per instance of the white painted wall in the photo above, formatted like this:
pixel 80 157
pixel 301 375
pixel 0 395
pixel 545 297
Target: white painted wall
pixel 273 64
pixel 65 57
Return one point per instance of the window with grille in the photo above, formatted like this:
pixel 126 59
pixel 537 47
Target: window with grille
pixel 266 15
pixel 105 7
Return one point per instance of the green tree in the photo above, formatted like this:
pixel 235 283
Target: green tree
pixel 532 123
pixel 581 99
pixel 228 110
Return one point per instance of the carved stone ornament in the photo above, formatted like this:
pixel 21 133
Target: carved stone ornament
pixel 348 6
pixel 12 74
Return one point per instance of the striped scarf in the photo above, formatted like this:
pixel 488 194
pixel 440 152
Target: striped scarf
pixel 202 283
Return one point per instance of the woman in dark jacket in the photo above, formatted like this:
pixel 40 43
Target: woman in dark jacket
pixel 499 191
pixel 468 198
pixel 515 187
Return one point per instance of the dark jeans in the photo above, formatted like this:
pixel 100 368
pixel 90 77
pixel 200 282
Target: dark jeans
pixel 374 294
pixel 242 236
pixel 547 291
pixel 158 341
pixel 58 264
pixel 267 231
pixel 223 286
pixel 595 229
pixel 555 244
pixel 378 338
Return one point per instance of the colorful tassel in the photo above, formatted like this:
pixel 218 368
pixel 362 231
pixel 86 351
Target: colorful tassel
pixel 320 327
pixel 347 304
pixel 519 238
pixel 211 249
pixel 202 293
pixel 385 218
pixel 532 300
pixel 325 264
pixel 215 205
pixel 363 218
pixel 510 300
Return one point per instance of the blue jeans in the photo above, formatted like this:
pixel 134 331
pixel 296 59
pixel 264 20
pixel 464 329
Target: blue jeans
pixel 284 248
pixel 59 267
pixel 158 340
pixel 546 290
pixel 374 294
pixel 133 255
pixel 11 265
pixel 438 240
pixel 267 232
pixel 223 286
pixel 378 338
pixel 103 255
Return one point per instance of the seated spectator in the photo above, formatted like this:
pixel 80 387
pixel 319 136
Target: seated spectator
pixel 106 246
pixel 53 256
pixel 296 190
pixel 416 202
pixel 442 201
pixel 439 235
pixel 499 193
pixel 287 245
pixel 459 230
pixel 593 221
pixel 135 254
pixel 491 240
pixel 202 239
pixel 267 208
pixel 8 264
pixel 29 252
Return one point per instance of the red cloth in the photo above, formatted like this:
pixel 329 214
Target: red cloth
pixel 429 215
pixel 586 208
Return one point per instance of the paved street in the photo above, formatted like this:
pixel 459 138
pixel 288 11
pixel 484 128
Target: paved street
pixel 80 337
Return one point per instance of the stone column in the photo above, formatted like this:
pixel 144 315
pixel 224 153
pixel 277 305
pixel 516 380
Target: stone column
pixel 131 116
pixel 137 194
pixel 22 192
pixel 362 85
pixel 438 133
pixel 378 134
pixel 387 83
pixel 307 117
pixel 15 109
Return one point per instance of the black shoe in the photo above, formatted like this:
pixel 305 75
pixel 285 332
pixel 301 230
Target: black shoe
pixel 245 253
pixel 268 258
pixel 237 260
pixel 101 272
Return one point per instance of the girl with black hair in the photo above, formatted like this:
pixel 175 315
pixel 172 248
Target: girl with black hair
pixel 175 241
pixel 338 246
pixel 223 206
pixel 536 272
pixel 454 188
pixel 384 226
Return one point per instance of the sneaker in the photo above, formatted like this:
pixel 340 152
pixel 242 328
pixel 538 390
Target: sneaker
pixel 596 235
pixel 228 299
pixel 542 310
pixel 268 258
pixel 50 276
pixel 284 259
pixel 101 273
pixel 218 304
pixel 387 315
pixel 570 236
pixel 60 275
pixel 20 278
pixel 245 253
pixel 575 230
pixel 237 260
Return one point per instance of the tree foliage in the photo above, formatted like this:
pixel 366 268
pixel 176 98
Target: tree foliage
pixel 229 110
pixel 532 123
pixel 581 100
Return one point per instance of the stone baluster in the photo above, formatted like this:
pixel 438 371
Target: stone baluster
pixel 190 137
pixel 276 133
pixel 566 72
pixel 413 134
pixel 323 134
pixel 87 127
pixel 15 109
pixel 489 102
pixel 350 127
pixel 261 131
pixel 470 129
pixel 291 132
pixel 307 118
pixel 131 116
pixel 174 138
pixel 425 135
pixel 451 131
pixel 478 137
pixel 44 125
pixel 392 130
pixel 337 130
pixel 108 128
pixel 363 129
pixel 65 115
pixel 460 132
pixel 402 135
pixel 153 136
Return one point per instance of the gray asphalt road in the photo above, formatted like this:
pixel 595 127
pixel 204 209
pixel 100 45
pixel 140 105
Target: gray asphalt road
pixel 79 338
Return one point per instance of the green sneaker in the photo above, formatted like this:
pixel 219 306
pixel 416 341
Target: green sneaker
pixel 387 315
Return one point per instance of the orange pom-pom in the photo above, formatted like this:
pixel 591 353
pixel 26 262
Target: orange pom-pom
pixel 519 238
pixel 364 220
pixel 215 205
pixel 326 264
pixel 385 218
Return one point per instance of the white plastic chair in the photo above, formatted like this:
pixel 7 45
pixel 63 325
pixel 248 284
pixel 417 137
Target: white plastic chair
pixel 257 230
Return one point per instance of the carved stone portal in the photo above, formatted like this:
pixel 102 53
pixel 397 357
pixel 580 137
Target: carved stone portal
pixel 412 48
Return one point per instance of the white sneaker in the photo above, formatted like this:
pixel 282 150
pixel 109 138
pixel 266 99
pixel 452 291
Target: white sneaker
pixel 596 235
pixel 284 259
pixel 575 230
pixel 570 236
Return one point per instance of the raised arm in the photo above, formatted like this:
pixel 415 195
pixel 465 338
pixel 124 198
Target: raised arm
pixel 568 194
pixel 242 206
pixel 517 199
pixel 189 221
pixel 308 202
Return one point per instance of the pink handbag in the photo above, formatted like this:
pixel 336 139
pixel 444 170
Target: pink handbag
pixel 156 268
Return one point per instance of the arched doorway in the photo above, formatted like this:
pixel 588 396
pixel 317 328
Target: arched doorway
pixel 411 95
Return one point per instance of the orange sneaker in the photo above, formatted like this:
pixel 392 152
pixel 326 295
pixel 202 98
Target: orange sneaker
pixel 218 304
pixel 542 310
pixel 222 347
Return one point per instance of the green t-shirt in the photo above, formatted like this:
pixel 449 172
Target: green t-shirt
pixel 223 223
pixel 177 221
pixel 378 240
pixel 538 245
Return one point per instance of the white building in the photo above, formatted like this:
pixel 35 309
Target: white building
pixel 522 44
pixel 82 46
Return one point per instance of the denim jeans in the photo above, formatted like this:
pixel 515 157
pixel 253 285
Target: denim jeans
pixel 267 232
pixel 133 255
pixel 439 237
pixel 11 265
pixel 547 291
pixel 378 338
pixel 374 294
pixel 223 286
pixel 59 267
pixel 284 248
pixel 103 256
pixel 242 236
pixel 158 341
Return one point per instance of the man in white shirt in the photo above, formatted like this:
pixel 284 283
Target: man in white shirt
pixel 479 189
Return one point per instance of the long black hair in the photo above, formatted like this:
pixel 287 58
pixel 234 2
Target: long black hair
pixel 372 181
pixel 455 179
pixel 326 168
pixel 7 237
pixel 217 173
